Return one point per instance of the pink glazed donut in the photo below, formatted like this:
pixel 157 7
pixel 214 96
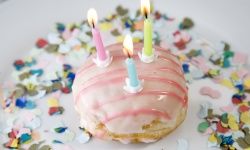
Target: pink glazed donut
pixel 108 112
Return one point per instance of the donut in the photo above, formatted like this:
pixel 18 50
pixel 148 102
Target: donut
pixel 109 112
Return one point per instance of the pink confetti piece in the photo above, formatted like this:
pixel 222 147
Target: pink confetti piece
pixel 29 116
pixel 217 80
pixel 164 45
pixel 60 59
pixel 228 108
pixel 240 58
pixel 208 131
pixel 66 34
pixel 42 63
pixel 185 36
pixel 56 94
pixel 198 60
pixel 75 32
pixel 210 92
pixel 23 131
pixel 242 73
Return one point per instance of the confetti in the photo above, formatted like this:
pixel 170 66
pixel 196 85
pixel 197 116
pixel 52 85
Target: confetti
pixel 34 123
pixel 187 23
pixel 105 26
pixel 185 68
pixel 69 136
pixel 41 43
pixel 54 108
pixel 197 74
pixel 30 105
pixel 84 137
pixel 210 92
pixel 245 117
pixel 121 11
pixel 181 39
pixel 21 102
pixel 240 58
pixel 182 144
pixel 227 109
pixel 60 129
pixel 57 142
pixel 52 102
pixel 203 112
pixel 45 147
pixel 203 126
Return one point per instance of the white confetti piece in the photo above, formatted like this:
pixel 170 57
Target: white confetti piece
pixel 40 94
pixel 182 144
pixel 238 134
pixel 37 111
pixel 84 137
pixel 84 37
pixel 197 74
pixel 54 38
pixel 73 42
pixel 10 121
pixel 64 48
pixel 203 109
pixel 68 136
pixel 34 123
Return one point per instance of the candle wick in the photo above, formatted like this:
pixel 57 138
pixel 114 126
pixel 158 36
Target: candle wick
pixel 93 24
pixel 126 52
pixel 129 55
pixel 146 14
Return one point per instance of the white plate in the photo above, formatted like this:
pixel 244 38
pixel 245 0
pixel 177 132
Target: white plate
pixel 22 22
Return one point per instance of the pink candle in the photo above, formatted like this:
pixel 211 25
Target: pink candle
pixel 92 19
pixel 99 44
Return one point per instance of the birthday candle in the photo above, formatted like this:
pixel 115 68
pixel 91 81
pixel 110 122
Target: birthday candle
pixel 130 64
pixel 92 19
pixel 145 10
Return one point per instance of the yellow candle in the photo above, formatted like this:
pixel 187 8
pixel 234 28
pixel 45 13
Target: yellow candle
pixel 145 10
pixel 148 37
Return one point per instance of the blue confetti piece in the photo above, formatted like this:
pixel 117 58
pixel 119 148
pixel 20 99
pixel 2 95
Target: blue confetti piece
pixel 19 64
pixel 56 80
pixel 71 76
pixel 30 105
pixel 67 67
pixel 37 72
pixel 60 129
pixel 240 87
pixel 60 27
pixel 185 68
pixel 21 102
pixel 8 102
pixel 57 142
pixel 238 96
pixel 227 140
pixel 24 138
pixel 127 24
pixel 226 63
pixel 31 63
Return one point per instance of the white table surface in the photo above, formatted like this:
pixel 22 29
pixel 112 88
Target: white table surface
pixel 22 22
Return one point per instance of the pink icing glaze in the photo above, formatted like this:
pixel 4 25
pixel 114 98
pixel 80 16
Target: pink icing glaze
pixel 125 97
pixel 123 71
pixel 138 47
pixel 121 58
pixel 99 96
pixel 154 112
pixel 121 79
